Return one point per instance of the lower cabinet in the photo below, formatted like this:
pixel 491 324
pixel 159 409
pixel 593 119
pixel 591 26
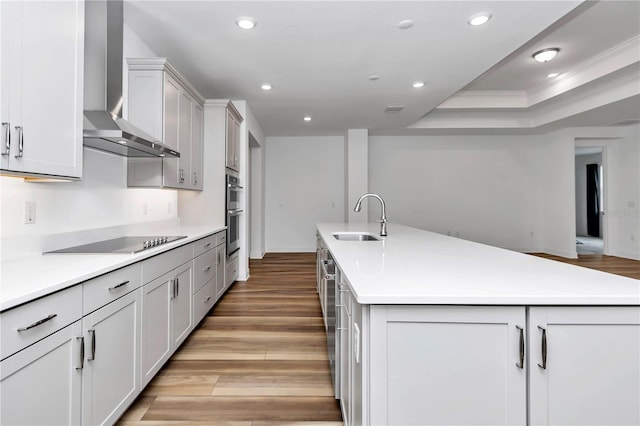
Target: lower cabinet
pixel 110 377
pixel 221 281
pixel 41 385
pixel 166 318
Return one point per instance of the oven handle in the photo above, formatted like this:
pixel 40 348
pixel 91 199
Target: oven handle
pixel 234 212
pixel 234 186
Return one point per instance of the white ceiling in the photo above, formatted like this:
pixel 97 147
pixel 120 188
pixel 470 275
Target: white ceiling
pixel 318 54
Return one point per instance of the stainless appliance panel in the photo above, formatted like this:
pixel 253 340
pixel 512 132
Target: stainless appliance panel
pixel 233 189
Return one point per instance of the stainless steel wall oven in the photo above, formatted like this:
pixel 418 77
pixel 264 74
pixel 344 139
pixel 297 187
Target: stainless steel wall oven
pixel 234 211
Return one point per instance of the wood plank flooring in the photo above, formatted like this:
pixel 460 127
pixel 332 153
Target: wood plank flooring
pixel 258 359
pixel 613 265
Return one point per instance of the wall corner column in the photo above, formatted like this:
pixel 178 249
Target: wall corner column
pixel 356 173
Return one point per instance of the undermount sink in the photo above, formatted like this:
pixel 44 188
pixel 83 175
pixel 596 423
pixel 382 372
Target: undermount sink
pixel 355 236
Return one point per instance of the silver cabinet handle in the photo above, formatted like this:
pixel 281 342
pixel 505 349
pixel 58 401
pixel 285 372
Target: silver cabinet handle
pixel 207 299
pixel 521 363
pixel 39 322
pixel 177 286
pixel 207 269
pixel 544 349
pixel 173 288
pixel 81 338
pixel 118 285
pixel 7 138
pixel 93 345
pixel 20 141
pixel 218 258
pixel 207 245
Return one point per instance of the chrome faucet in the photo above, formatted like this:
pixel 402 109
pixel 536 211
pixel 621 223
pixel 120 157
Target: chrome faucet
pixel 383 219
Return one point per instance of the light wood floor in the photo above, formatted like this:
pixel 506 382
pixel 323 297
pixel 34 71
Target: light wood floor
pixel 258 359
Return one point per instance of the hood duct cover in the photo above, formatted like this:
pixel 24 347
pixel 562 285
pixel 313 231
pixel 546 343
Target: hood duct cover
pixel 104 127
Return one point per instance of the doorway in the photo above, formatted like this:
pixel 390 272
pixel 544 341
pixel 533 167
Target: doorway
pixel 590 200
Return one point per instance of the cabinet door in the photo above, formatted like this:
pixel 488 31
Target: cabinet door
pixel 184 140
pixel 156 327
pixel 221 257
pixel 111 380
pixel 46 51
pixel 230 154
pixel 181 305
pixel 197 146
pixel 435 365
pixel 6 32
pixel 171 130
pixel 345 360
pixel 592 369
pixel 41 385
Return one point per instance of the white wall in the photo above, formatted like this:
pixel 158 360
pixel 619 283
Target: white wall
pixel 304 186
pixel 581 190
pixel 100 200
pixel 480 188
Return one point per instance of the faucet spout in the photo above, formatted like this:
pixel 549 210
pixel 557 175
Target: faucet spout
pixel 383 217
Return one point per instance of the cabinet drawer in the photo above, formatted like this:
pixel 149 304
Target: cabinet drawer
pixel 107 288
pixel 26 324
pixel 204 269
pixel 161 264
pixel 221 238
pixel 203 245
pixel 204 300
pixel 231 269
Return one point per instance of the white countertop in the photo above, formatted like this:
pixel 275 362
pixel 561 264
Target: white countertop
pixel 412 266
pixel 28 278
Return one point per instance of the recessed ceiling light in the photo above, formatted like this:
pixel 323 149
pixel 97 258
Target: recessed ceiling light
pixel 545 55
pixel 418 84
pixel 373 77
pixel 246 22
pixel 553 74
pixel 479 19
pixel 407 23
pixel 307 118
pixel 266 86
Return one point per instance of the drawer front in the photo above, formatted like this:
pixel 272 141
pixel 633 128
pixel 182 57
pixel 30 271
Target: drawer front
pixel 26 324
pixel 221 238
pixel 203 245
pixel 231 269
pixel 158 265
pixel 204 269
pixel 204 300
pixel 107 288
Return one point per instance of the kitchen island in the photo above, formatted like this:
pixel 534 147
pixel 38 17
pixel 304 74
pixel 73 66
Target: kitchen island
pixel 432 329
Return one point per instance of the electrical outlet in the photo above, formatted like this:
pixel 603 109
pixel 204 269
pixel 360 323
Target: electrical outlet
pixel 29 213
pixel 169 207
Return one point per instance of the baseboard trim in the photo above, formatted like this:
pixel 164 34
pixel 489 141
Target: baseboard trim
pixel 291 250
pixel 256 255
pixel 625 255
pixel 572 254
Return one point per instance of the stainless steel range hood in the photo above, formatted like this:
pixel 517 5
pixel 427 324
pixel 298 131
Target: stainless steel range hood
pixel 104 127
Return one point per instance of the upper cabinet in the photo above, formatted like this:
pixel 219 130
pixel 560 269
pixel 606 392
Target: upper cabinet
pixel 41 88
pixel 233 138
pixel 162 103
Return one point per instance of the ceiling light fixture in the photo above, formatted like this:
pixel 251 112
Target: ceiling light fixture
pixel 373 77
pixel 545 55
pixel 266 86
pixel 405 24
pixel 553 74
pixel 246 22
pixel 479 19
pixel 307 118
pixel 418 84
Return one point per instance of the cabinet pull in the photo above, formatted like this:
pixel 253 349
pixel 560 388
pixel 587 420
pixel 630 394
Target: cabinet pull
pixel 39 322
pixel 195 178
pixel 177 286
pixel 341 328
pixel 20 141
pixel 544 349
pixel 118 285
pixel 207 299
pixel 521 363
pixel 93 345
pixel 173 288
pixel 81 338
pixel 218 258
pixel 207 269
pixel 207 245
pixel 7 138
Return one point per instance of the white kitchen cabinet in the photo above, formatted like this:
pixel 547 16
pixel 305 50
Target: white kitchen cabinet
pixel 41 385
pixel 41 88
pixel 233 138
pixel 231 270
pixel 221 256
pixel 167 318
pixel 162 103
pixel 110 378
pixel 345 361
pixel 434 365
pixel 591 371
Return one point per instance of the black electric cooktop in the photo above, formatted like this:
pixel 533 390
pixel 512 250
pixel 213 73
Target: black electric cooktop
pixel 126 245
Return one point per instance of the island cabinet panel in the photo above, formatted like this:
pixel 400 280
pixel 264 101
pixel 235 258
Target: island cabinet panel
pixel 592 369
pixel 434 365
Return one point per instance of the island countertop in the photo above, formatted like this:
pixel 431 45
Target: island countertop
pixel 413 266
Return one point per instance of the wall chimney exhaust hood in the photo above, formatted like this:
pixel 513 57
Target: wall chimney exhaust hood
pixel 104 127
